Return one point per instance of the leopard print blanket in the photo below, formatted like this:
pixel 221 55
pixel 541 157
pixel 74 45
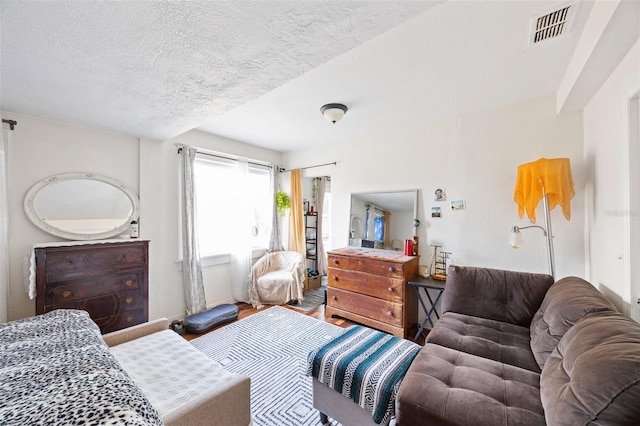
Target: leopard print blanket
pixel 55 369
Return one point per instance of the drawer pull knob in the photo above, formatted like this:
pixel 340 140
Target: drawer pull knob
pixel 390 313
pixel 391 269
pixel 390 289
pixel 129 283
pixel 335 297
pixel 66 293
pixel 128 300
pixel 335 278
pixel 335 261
pixel 129 319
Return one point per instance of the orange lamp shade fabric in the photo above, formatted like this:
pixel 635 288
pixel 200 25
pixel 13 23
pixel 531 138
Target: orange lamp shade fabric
pixel 544 176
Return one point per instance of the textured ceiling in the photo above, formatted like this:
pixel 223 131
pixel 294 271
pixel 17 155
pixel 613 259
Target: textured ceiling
pixel 456 58
pixel 157 68
pixel 259 71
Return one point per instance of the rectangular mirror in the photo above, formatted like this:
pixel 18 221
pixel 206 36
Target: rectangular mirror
pixel 382 219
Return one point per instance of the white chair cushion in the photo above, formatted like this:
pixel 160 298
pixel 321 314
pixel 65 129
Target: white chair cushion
pixel 277 278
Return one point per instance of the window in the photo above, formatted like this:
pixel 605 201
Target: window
pixel 233 201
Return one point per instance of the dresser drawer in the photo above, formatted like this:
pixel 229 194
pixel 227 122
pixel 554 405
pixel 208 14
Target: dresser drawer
pixel 65 291
pixel 385 268
pixel 364 283
pixel 70 259
pixel 367 306
pixel 118 322
pixel 103 306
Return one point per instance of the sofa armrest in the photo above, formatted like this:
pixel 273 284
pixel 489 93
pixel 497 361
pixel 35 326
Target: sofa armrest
pixel 507 296
pixel 132 333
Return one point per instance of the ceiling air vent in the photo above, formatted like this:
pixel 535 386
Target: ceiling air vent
pixel 550 25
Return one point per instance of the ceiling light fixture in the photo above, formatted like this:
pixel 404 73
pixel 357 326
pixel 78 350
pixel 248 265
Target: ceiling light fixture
pixel 333 112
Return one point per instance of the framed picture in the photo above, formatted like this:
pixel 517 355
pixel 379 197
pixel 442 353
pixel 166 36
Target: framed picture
pixel 457 205
pixel 440 195
pixel 436 212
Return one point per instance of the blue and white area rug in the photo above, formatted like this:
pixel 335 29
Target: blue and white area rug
pixel 271 347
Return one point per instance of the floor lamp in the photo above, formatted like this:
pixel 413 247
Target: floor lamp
pixel 548 180
pixel 515 238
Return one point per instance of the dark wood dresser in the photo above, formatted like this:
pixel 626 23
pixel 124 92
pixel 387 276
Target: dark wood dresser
pixel 108 280
pixel 370 287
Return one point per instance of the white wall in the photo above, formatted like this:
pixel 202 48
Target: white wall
pixel 39 148
pixel 400 225
pixel 606 172
pixel 475 158
pixel 159 180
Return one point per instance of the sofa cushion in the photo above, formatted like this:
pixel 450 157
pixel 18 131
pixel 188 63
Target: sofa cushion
pixel 566 302
pixel 447 387
pixel 500 295
pixel 499 341
pixel 593 376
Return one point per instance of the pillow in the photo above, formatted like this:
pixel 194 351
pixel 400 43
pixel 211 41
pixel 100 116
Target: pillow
pixel 593 376
pixel 566 302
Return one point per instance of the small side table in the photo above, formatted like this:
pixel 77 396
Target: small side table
pixel 418 282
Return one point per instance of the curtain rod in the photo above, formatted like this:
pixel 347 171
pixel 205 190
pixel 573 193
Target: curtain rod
pixel 309 167
pixel 11 123
pixel 228 158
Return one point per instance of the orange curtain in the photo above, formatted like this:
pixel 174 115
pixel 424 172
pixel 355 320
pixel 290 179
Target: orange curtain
pixel 553 176
pixel 296 218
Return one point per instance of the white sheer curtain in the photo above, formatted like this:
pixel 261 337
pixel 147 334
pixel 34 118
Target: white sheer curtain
pixel 241 247
pixel 275 242
pixel 322 262
pixel 4 228
pixel 191 267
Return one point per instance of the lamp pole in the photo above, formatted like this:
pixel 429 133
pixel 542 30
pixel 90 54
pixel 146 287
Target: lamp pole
pixel 547 225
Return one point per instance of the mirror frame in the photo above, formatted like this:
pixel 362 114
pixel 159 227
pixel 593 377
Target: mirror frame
pixel 33 216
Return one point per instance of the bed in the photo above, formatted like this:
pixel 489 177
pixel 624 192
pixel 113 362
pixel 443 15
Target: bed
pixel 56 369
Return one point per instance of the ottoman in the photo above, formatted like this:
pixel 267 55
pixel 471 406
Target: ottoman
pixel 356 376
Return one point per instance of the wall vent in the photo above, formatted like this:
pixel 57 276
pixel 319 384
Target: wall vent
pixel 550 25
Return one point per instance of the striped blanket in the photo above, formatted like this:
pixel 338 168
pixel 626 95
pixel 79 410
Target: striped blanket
pixel 366 366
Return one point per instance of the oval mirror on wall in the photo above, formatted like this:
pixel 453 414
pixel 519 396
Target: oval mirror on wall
pixel 81 206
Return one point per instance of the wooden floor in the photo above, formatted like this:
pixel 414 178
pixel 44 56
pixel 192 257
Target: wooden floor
pixel 246 310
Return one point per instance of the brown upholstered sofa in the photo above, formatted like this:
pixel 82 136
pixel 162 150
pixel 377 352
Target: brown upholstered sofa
pixel 518 349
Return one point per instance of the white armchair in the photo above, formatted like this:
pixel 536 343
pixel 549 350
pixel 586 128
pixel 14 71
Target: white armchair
pixel 276 278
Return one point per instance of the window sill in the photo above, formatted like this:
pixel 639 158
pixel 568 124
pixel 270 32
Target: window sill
pixel 216 259
pixel 221 259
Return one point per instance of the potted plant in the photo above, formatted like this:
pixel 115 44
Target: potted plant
pixel 283 202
